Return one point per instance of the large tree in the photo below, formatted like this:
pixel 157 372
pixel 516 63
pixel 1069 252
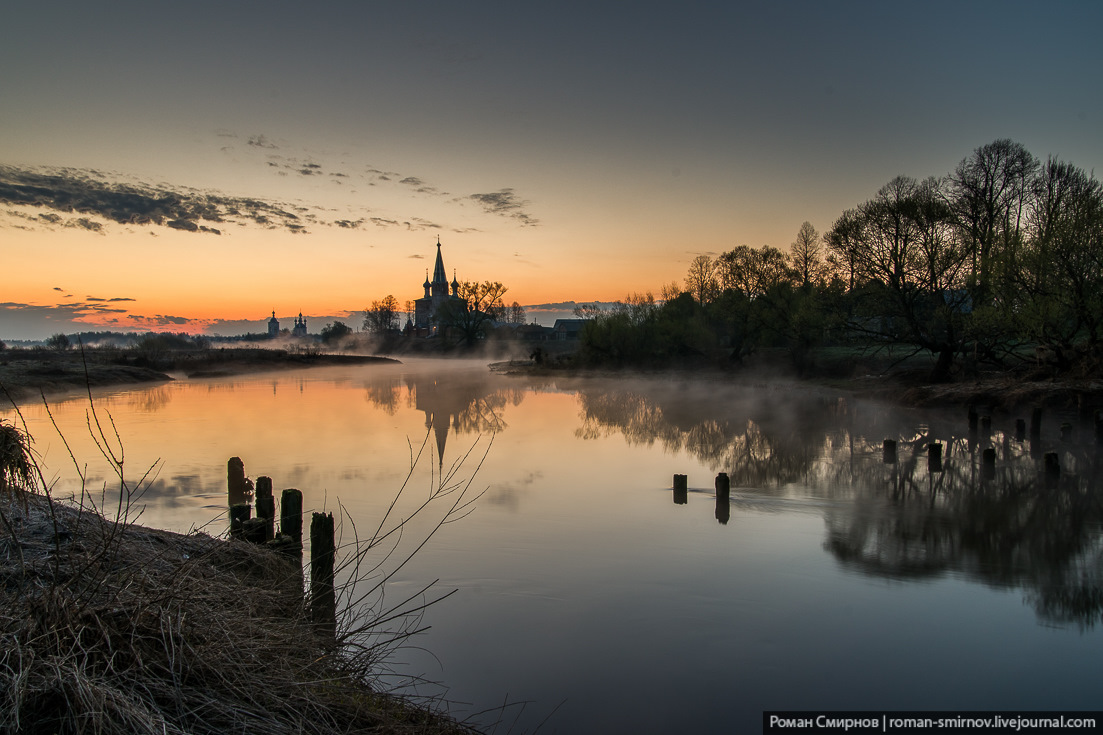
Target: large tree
pixel 911 269
pixel 988 192
pixel 1057 293
pixel 477 307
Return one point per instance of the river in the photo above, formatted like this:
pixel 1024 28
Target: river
pixel 590 598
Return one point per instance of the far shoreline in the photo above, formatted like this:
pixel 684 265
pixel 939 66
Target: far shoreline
pixel 26 373
pixel 1000 391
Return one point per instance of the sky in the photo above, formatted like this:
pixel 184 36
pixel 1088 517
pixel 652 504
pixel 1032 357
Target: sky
pixel 195 166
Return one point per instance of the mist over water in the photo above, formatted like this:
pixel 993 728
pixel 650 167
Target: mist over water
pixel 831 579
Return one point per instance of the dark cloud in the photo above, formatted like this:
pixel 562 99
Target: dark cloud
pixel 506 204
pixel 416 257
pixel 413 224
pixel 349 224
pixel 33 321
pixel 85 224
pixel 383 175
pixel 58 288
pixel 261 141
pixel 419 185
pixel 90 193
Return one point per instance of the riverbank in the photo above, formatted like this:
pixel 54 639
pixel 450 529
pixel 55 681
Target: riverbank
pixel 1006 391
pixel 113 627
pixel 27 372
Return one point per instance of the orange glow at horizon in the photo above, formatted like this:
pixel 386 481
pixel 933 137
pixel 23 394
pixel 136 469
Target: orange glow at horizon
pixel 146 278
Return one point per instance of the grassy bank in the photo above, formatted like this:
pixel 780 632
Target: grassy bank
pixel 110 627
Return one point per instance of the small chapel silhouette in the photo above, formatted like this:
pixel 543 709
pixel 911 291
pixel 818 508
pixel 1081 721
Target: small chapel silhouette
pixel 427 308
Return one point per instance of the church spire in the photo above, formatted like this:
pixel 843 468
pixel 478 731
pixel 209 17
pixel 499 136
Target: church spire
pixel 440 277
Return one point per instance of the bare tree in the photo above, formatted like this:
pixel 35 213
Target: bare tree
pixel 753 271
pixel 478 305
pixel 382 317
pixel 806 255
pixel 912 268
pixel 988 193
pixel 1058 280
pixel 701 279
pixel 843 247
pixel 515 314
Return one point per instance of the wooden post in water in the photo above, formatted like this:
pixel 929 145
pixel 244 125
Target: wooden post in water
pixel 291 514
pixel 236 485
pixel 1066 431
pixel 253 530
pixel 323 598
pixel 934 457
pixel 681 489
pixel 723 498
pixel 986 425
pixel 723 486
pixel 239 513
pixel 972 419
pixel 1053 465
pixel 888 451
pixel 266 506
pixel 988 464
pixel 1086 410
pixel 1020 429
pixel 723 510
pixel 1036 422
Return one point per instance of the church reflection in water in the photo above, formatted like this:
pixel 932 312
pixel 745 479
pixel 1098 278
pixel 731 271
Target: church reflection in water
pixel 998 508
pixel 454 402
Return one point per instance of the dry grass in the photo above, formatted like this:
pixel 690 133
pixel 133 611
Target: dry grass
pixel 109 627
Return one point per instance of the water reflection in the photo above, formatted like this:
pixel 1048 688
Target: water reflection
pixel 945 498
pixel 461 402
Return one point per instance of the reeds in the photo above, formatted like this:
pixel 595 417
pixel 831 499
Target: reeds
pixel 109 627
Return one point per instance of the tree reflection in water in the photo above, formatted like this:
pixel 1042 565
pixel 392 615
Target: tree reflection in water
pixel 1007 526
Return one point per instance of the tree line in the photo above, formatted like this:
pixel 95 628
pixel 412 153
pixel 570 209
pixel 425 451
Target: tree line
pixel 997 262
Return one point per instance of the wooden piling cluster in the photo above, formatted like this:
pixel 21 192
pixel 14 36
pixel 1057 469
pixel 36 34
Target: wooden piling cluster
pixel 289 539
pixel 723 494
pixel 980 426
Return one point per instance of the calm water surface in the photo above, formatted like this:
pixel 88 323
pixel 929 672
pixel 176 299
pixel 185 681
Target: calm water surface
pixel 589 601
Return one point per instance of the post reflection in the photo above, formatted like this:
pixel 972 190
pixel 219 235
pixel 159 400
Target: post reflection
pixel 991 505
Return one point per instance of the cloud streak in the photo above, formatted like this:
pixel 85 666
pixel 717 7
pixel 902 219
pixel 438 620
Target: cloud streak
pixel 505 203
pixel 78 192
